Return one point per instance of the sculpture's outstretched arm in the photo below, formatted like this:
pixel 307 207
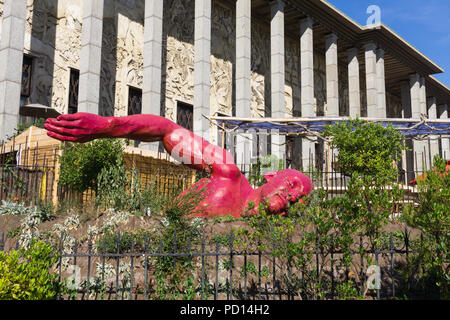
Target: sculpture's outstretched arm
pixel 84 127
pixel 180 143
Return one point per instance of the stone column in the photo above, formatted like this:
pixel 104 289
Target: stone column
pixel 419 145
pixel 11 60
pixel 414 83
pixel 433 144
pixel 91 56
pixel 202 68
pixel 243 74
pixel 371 80
pixel 331 62
pixel 307 85
pixel 423 96
pixel 423 110
pixel 381 85
pixel 354 83
pixel 151 84
pixel 445 140
pixel 407 156
pixel 277 71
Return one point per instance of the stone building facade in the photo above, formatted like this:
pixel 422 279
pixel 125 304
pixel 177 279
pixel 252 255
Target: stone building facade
pixel 187 58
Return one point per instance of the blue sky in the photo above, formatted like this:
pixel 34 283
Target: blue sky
pixel 424 24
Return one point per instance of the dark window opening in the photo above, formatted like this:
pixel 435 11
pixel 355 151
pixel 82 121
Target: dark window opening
pixel 134 101
pixel 27 69
pixel 185 115
pixel 73 90
pixel 290 141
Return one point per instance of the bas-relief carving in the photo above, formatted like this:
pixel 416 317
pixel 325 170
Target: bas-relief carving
pixel 51 76
pixel 179 62
pixel 260 75
pixel 222 59
pixel 53 38
pixel 180 57
pixel 129 70
pixel 108 67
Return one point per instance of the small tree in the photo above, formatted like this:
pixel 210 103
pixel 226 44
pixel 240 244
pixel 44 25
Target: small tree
pixel 367 152
pixel 367 149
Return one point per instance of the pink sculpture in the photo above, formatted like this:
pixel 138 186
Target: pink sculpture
pixel 227 191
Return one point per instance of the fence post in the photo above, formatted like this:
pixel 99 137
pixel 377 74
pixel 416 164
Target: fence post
pixel 391 245
pixel 376 263
pixel 117 265
pixel 203 268
pixel 132 269
pixel 217 270
pixel 146 266
pixel 56 178
pixel 231 265
pixel 60 260
pixel 2 242
pixel 89 268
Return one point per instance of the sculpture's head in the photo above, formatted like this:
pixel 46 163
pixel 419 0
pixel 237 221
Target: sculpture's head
pixel 283 187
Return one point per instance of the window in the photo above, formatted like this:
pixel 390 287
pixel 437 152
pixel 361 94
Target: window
pixel 73 90
pixel 290 142
pixel 27 68
pixel 185 115
pixel 134 101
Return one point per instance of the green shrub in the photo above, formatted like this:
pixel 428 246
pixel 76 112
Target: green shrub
pixel 81 163
pixel 366 149
pixel 432 217
pixel 128 241
pixel 25 274
pixel 177 232
pixel 116 190
pixel 368 153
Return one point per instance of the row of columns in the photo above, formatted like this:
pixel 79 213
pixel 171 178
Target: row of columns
pixel 414 97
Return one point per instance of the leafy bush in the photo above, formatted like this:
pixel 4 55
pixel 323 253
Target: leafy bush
pixel 317 226
pixel 366 149
pixel 109 243
pixel 25 274
pixel 179 232
pixel 432 218
pixel 367 152
pixel 116 190
pixel 81 163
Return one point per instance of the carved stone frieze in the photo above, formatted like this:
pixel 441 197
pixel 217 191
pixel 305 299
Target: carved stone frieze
pixel 53 38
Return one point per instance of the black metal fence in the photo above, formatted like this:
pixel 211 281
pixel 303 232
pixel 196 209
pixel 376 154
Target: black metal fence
pixel 217 270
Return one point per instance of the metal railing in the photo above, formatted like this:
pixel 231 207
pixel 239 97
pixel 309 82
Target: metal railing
pixel 221 271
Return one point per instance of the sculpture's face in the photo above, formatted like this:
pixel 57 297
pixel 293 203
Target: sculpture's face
pixel 287 186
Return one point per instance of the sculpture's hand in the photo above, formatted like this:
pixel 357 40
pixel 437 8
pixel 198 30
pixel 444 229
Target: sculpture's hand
pixel 79 127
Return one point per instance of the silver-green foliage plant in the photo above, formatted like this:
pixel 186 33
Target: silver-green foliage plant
pixel 13 208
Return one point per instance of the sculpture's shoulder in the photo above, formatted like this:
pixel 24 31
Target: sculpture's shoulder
pixel 228 171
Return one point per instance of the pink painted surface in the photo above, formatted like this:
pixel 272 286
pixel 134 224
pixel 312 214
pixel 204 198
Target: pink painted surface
pixel 424 175
pixel 227 190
